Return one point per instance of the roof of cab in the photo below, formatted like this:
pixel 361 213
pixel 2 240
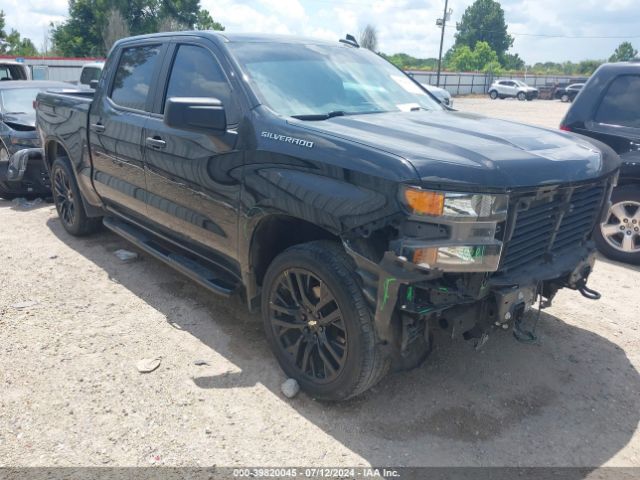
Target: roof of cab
pixel 225 37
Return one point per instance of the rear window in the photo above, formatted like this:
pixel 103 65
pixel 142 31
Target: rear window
pixel 134 76
pixel 88 74
pixel 620 104
pixel 12 72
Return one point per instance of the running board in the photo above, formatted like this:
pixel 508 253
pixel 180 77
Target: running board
pixel 215 280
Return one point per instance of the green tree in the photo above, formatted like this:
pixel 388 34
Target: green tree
pixel 481 57
pixel 463 59
pixel 2 25
pixel 12 43
pixel 369 38
pixel 493 67
pixel 587 67
pixel 624 53
pixel 407 62
pixel 512 61
pixel 205 22
pixel 484 21
pixel 83 32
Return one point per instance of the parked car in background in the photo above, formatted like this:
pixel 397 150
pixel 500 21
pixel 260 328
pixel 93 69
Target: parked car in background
pixel 90 72
pixel 512 89
pixel 441 94
pixel 22 171
pixel 12 70
pixel 328 189
pixel 608 109
pixel 569 93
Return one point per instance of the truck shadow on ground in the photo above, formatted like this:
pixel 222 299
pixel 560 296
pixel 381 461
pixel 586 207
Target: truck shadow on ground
pixel 571 399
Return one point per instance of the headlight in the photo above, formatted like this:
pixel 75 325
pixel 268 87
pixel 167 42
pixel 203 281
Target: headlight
pixel 458 258
pixel 25 142
pixel 471 220
pixel 456 206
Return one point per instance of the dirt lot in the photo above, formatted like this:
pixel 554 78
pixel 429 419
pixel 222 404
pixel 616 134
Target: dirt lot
pixel 75 321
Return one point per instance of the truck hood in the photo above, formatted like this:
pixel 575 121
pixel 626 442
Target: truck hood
pixel 467 149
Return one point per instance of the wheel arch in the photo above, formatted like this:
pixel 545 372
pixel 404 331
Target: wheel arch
pixel 277 232
pixel 53 149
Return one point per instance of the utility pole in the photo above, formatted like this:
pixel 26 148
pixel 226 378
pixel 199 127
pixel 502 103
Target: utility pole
pixel 442 22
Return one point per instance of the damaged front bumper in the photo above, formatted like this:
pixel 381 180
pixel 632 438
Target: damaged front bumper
pixel 25 173
pixel 464 301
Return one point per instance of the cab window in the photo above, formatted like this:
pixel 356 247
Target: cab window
pixel 196 73
pixel 134 76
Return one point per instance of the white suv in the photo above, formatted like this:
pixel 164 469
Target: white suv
pixel 512 88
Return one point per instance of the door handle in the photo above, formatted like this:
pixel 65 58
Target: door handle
pixel 155 142
pixel 97 127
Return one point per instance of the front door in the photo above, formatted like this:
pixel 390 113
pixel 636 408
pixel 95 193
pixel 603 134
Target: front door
pixel 191 176
pixel 116 125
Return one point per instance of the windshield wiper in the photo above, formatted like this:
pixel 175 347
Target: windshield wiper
pixel 321 116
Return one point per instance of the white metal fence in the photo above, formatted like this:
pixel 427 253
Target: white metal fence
pixel 478 83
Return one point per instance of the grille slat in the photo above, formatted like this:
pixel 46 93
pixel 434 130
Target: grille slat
pixel 534 228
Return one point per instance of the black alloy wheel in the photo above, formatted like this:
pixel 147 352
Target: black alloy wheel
pixel 308 325
pixel 63 196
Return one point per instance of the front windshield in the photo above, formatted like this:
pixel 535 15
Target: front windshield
pixel 298 80
pixel 522 84
pixel 18 100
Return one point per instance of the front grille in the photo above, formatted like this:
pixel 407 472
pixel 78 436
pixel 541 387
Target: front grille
pixel 550 225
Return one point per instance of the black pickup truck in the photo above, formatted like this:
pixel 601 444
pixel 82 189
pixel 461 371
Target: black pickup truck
pixel 328 189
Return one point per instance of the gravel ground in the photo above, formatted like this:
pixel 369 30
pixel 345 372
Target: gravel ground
pixel 75 321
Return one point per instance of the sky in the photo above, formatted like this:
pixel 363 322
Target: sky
pixel 544 30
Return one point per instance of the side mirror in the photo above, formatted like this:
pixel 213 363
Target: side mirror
pixel 93 84
pixel 204 115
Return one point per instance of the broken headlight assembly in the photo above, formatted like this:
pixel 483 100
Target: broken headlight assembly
pixel 471 222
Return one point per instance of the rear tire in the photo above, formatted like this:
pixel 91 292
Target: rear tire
pixel 4 190
pixel 564 98
pixel 493 94
pixel 68 201
pixel 304 288
pixel 614 242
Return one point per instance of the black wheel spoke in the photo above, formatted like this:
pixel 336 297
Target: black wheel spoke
pixel 304 366
pixel 308 325
pixel 302 281
pixel 331 318
pixel 329 370
pixel 285 324
pixel 327 345
pixel 284 310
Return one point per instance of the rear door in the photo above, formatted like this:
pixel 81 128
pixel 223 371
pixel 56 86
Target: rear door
pixel 116 124
pixel 193 191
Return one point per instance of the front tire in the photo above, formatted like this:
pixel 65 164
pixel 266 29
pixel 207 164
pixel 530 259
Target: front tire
pixel 618 238
pixel 318 324
pixel 522 96
pixel 66 196
pixel 564 98
pixel 493 94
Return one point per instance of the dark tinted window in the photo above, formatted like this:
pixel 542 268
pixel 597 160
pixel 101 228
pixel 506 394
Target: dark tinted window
pixel 134 76
pixel 90 73
pixel 196 73
pixel 620 104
